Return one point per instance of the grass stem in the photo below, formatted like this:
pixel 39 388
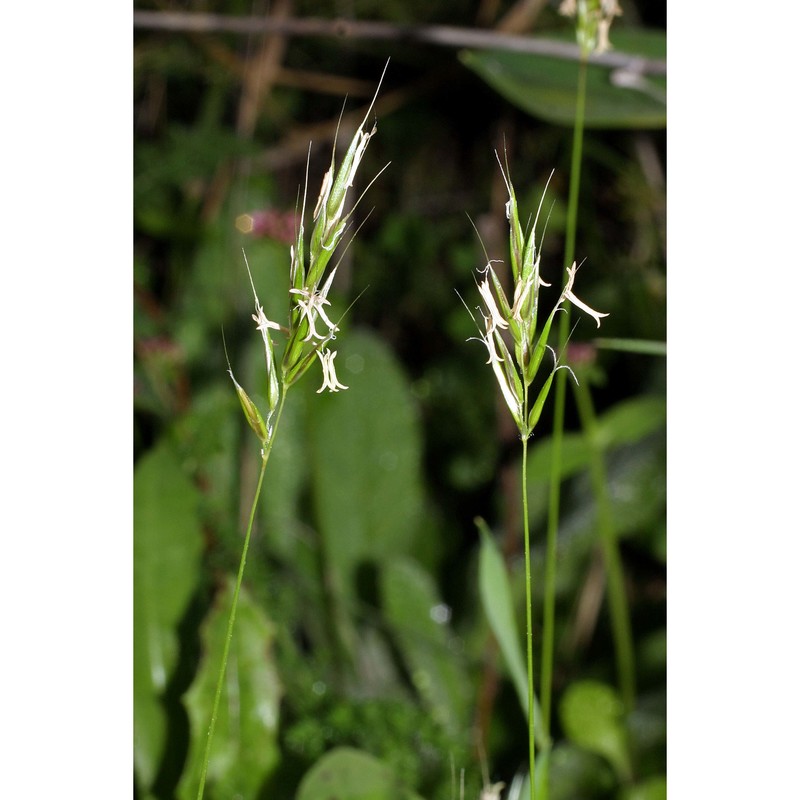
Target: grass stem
pixel 529 615
pixel 232 616
pixel 553 506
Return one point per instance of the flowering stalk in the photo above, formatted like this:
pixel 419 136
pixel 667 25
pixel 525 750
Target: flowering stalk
pixel 516 348
pixel 310 330
pixel 593 20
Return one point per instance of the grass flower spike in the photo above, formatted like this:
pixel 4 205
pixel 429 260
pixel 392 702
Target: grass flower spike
pixel 307 338
pixel 594 18
pixel 516 347
pixel 309 287
pixel 516 363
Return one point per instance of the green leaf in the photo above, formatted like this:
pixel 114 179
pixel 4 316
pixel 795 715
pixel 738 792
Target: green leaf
pixel 632 420
pixel 536 410
pixel 642 346
pixel 365 451
pixel 216 289
pixel 546 87
pixel 244 750
pixel 651 789
pixel 637 486
pixel 285 481
pixel 351 774
pixel 496 597
pixel 624 423
pixel 167 545
pixel 428 647
pixel 592 718
pixel 575 772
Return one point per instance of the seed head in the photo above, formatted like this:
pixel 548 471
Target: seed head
pixel 593 22
pixel 515 363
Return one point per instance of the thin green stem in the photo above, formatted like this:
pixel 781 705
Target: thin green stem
pixel 232 616
pixel 528 613
pixel 548 628
pixel 617 599
pixel 575 173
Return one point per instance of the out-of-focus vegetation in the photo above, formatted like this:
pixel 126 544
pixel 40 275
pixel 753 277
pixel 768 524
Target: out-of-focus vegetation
pixel 367 658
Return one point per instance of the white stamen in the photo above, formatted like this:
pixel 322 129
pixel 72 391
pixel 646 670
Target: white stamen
pixel 329 379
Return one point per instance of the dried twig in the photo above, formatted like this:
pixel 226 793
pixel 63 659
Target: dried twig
pixel 439 35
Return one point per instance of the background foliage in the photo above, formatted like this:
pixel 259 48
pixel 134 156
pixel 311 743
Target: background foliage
pixel 365 655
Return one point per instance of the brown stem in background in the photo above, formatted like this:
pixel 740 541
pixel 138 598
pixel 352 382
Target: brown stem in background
pixel 437 35
pixel 521 16
pixel 260 73
pixel 587 608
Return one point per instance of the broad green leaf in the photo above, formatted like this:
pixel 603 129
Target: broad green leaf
pixel 574 457
pixel 167 546
pixel 244 750
pixel 637 485
pixel 412 610
pixel 546 87
pixel 632 420
pixel 497 602
pixel 351 774
pixel 592 717
pixel 365 452
pixel 624 423
pixel 636 470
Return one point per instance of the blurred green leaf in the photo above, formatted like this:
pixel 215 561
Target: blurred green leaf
pixel 413 612
pixel 637 485
pixel 626 422
pixel 497 602
pixel 351 774
pixel 216 288
pixel 546 87
pixel 651 789
pixel 631 420
pixel 167 546
pixel 208 435
pixel 643 346
pixel 285 482
pixel 575 772
pixel 647 730
pixel 575 454
pixel 636 472
pixel 365 452
pixel 592 718
pixel 651 654
pixel 543 759
pixel 245 749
